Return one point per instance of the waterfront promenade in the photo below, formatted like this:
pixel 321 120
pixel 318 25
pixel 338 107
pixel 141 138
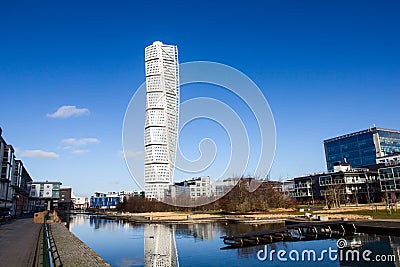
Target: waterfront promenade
pixel 18 240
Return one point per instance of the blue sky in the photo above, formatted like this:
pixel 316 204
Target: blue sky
pixel 325 67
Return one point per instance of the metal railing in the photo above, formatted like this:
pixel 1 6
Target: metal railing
pixel 50 254
pixel 48 260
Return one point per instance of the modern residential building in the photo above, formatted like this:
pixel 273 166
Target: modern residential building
pixel 390 181
pixel 201 187
pixel 65 200
pixel 7 173
pixel 108 200
pixel 162 115
pixel 388 160
pixel 80 203
pixel 305 189
pixel 44 195
pixel 343 185
pixel 363 148
pixel 125 195
pixel 21 180
pixel 288 187
pixel 348 185
pixel 14 180
pixel 195 188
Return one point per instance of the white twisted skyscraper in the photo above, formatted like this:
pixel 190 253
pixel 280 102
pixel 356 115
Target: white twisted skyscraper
pixel 162 114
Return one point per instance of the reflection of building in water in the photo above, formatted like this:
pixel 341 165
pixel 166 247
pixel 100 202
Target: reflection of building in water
pixel 395 244
pixel 378 245
pixel 203 231
pixel 77 220
pixel 198 231
pixel 159 246
pixel 112 225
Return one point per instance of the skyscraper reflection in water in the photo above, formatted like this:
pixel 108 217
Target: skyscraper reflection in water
pixel 159 246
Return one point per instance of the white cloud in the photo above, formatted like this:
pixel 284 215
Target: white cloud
pixel 73 142
pixel 75 146
pixel 68 111
pixel 80 151
pixel 37 154
pixel 131 154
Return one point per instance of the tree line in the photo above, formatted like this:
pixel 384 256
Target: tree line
pixel 242 198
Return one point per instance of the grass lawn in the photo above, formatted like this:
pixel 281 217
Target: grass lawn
pixel 380 214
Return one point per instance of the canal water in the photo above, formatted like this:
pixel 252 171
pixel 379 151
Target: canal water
pixel 125 244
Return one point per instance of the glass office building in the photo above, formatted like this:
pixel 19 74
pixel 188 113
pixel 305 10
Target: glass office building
pixel 361 149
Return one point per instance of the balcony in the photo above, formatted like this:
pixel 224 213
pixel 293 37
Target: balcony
pixel 304 185
pixel 389 188
pixel 334 182
pixel 302 194
pixel 356 181
pixel 386 177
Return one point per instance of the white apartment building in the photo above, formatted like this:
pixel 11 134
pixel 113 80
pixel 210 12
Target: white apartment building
pixel 162 114
pixel 201 187
pixel 80 203
pixel 195 188
pixel 43 194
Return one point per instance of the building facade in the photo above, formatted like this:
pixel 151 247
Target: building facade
pixel 390 181
pixel 162 114
pixel 195 188
pixel 201 187
pixel 44 195
pixel 108 200
pixel 388 160
pixel 125 195
pixel 14 181
pixel 20 186
pixel 80 203
pixel 363 148
pixel 7 175
pixel 345 185
pixel 65 200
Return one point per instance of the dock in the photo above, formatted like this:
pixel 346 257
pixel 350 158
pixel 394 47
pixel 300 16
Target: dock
pixel 382 227
pixel 302 231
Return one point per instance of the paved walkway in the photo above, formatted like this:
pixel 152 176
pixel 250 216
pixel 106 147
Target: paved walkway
pixel 18 240
pixel 73 252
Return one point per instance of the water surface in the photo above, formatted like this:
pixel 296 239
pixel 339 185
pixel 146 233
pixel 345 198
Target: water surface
pixel 125 244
